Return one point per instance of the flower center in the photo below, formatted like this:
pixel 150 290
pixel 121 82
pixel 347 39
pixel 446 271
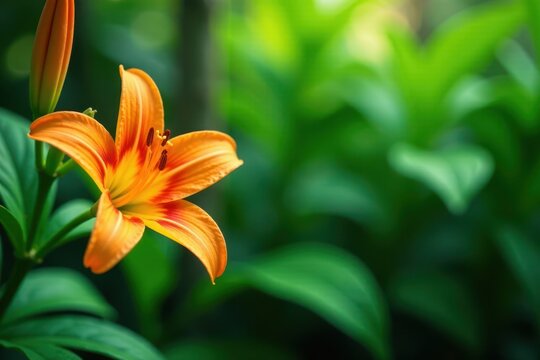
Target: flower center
pixel 160 162
pixel 142 176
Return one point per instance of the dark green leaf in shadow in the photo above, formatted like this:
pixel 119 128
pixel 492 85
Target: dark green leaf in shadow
pixel 55 289
pixel 82 333
pixel 455 174
pixel 150 287
pixel 443 302
pixel 326 189
pixel 13 230
pixel 523 256
pixel 329 281
pixel 41 351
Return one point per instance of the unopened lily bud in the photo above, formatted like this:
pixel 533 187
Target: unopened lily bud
pixel 51 54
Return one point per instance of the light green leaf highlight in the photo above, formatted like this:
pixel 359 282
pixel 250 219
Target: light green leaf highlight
pixel 455 174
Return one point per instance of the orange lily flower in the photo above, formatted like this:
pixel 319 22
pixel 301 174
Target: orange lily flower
pixel 145 175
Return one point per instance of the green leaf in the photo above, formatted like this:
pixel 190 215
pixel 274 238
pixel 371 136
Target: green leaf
pixel 41 351
pixel 150 287
pixel 327 189
pixel 329 281
pixel 520 65
pixel 13 230
pixel 82 333
pixel 484 26
pixel 18 180
pixel 65 214
pixel 426 75
pixel 1 256
pixel 442 301
pixel 533 11
pixel 523 256
pixel 455 174
pixel 54 289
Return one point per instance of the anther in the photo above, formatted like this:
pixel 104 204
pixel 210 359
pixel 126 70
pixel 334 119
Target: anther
pixel 165 137
pixel 162 160
pixel 150 137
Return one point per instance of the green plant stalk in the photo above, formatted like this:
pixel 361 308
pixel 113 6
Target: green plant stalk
pixel 59 236
pixel 44 186
pixel 39 155
pixel 20 269
pixel 54 159
pixel 65 168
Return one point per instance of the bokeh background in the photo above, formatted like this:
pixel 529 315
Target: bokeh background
pixel 389 204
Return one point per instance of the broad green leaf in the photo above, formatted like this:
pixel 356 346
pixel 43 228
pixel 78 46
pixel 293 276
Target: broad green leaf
pixel 65 214
pixel 219 349
pixel 329 281
pixel 41 351
pixel 13 229
pixel 82 333
pixel 325 189
pixel 150 287
pixel 18 179
pixel 455 174
pixel 55 289
pixel 522 254
pixel 443 302
pixel 520 65
pixel 483 27
pixel 425 75
pixel 533 11
pixel 468 96
pixel 377 101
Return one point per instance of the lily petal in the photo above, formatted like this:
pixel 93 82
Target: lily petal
pixel 113 237
pixel 196 161
pixel 81 137
pixel 190 226
pixel 141 109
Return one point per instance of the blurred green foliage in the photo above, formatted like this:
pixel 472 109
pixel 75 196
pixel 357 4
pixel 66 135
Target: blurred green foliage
pixel 389 202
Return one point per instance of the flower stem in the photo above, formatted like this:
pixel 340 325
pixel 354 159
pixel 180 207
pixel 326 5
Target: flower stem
pixel 44 186
pixel 39 155
pixel 54 159
pixel 59 236
pixel 20 269
pixel 65 168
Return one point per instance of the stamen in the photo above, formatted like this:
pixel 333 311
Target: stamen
pixel 150 137
pixel 162 160
pixel 165 137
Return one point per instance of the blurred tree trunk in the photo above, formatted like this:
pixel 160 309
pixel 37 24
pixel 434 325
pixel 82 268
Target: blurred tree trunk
pixel 195 102
pixel 195 64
